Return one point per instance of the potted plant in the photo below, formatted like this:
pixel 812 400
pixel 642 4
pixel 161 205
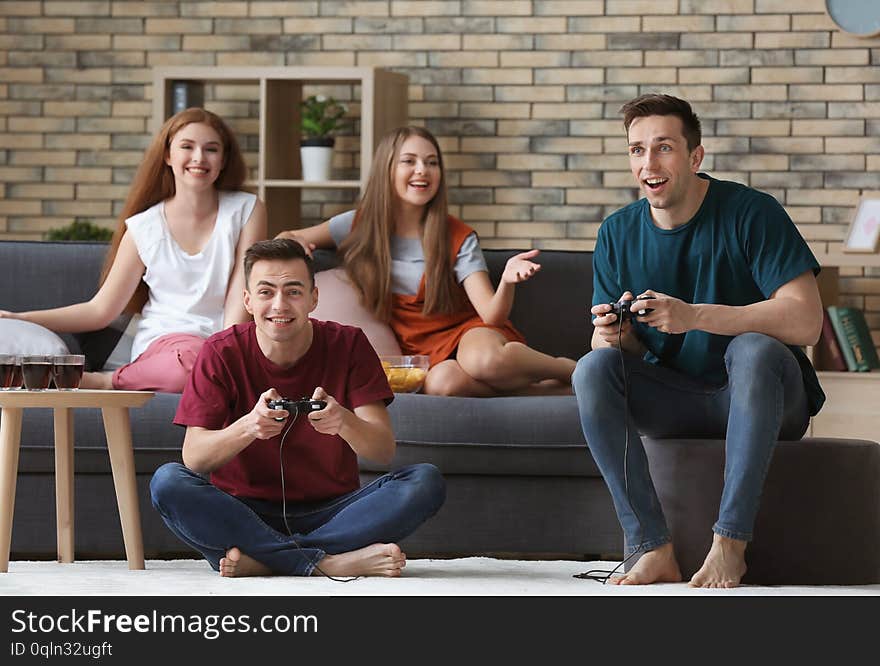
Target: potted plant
pixel 81 229
pixel 321 116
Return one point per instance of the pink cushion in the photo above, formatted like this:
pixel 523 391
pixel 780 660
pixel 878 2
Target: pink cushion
pixel 339 301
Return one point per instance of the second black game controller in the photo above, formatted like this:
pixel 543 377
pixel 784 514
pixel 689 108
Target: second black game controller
pixel 301 406
pixel 622 308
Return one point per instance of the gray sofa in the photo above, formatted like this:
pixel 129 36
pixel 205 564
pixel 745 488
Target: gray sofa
pixel 520 479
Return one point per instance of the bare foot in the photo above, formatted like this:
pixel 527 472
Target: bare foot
pixel 97 380
pixel 724 566
pixel 237 565
pixel 379 559
pixel 568 365
pixel 655 566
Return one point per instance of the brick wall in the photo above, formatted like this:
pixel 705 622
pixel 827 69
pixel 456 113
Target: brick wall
pixel 523 95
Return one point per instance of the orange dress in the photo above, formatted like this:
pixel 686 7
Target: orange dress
pixel 438 335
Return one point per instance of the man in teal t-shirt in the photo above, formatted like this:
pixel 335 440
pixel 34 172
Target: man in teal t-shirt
pixel 729 292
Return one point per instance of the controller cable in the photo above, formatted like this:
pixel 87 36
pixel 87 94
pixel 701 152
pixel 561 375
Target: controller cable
pixel 602 575
pixel 284 503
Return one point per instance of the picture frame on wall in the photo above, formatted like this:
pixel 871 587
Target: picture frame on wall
pixel 863 234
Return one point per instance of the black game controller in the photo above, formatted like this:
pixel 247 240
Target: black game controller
pixel 621 308
pixel 301 406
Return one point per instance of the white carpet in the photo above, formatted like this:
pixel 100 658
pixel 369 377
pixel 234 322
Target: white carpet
pixel 476 576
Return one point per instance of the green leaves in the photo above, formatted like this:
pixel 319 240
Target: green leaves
pixel 80 229
pixel 320 116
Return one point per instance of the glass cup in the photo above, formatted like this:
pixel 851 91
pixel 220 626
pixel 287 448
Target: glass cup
pixel 67 370
pixel 10 372
pixel 37 372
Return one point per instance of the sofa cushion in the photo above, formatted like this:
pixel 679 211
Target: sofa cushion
pixel 552 309
pixel 24 337
pixel 527 435
pixel 98 345
pixel 154 437
pixel 339 301
pixel 58 273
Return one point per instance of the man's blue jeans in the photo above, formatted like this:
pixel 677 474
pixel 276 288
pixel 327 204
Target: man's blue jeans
pixel 212 521
pixel 763 400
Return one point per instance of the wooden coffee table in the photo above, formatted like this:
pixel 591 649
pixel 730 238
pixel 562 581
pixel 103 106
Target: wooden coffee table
pixel 117 426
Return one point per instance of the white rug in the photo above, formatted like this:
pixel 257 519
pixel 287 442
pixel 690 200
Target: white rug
pixel 476 576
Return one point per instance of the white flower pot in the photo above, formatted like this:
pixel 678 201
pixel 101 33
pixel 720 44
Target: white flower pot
pixel 316 162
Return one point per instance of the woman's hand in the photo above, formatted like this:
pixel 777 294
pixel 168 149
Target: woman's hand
pixel 519 268
pixel 292 235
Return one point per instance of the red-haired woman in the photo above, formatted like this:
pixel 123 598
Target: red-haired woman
pixel 176 255
pixel 422 271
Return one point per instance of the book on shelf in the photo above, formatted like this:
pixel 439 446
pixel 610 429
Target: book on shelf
pixel 827 354
pixel 854 339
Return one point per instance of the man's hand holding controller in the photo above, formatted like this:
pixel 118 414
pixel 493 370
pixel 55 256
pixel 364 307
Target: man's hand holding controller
pixel 324 413
pixel 614 332
pixel 262 422
pixel 667 314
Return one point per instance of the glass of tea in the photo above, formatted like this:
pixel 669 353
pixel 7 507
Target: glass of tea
pixel 67 369
pixel 10 372
pixel 36 372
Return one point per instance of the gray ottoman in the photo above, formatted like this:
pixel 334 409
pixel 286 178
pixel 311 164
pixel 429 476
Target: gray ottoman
pixel 819 521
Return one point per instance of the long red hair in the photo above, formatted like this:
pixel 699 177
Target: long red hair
pixel 366 251
pixel 154 181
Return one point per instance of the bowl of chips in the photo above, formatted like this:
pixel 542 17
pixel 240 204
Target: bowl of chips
pixel 406 374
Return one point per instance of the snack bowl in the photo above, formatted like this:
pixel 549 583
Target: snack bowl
pixel 406 374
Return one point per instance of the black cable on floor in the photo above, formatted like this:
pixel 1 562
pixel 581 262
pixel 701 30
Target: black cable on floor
pixel 284 504
pixel 602 575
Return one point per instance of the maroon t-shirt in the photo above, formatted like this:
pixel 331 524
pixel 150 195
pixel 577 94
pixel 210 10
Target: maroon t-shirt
pixel 228 378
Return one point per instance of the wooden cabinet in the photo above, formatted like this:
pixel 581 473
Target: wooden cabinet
pixel 278 92
pixel 852 408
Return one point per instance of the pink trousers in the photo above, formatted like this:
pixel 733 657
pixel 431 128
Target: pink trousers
pixel 164 366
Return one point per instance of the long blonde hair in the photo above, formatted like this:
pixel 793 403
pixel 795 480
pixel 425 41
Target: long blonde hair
pixel 154 181
pixel 366 251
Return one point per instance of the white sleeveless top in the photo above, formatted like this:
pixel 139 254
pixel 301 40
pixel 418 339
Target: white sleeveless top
pixel 187 291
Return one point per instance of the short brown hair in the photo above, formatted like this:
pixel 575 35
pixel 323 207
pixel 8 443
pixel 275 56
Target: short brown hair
pixel 655 104
pixel 284 249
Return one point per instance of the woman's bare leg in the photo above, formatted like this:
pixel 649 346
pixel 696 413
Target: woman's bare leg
pixel 488 357
pixel 447 378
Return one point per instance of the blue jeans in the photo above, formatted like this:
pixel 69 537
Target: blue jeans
pixel 213 521
pixel 764 400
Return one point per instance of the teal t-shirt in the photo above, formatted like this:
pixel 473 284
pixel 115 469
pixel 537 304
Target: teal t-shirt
pixel 738 249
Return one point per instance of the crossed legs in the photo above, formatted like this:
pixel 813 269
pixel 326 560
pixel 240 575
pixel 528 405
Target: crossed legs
pixel 487 364
pixel 351 535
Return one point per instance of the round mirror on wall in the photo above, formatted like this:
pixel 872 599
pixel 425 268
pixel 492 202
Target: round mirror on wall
pixel 857 17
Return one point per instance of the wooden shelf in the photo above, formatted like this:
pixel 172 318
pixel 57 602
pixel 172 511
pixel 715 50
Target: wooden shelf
pixel 383 104
pixel 306 184
pixel 843 259
pixel 852 407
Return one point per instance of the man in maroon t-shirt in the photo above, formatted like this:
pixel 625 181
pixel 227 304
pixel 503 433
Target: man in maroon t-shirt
pixel 284 495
